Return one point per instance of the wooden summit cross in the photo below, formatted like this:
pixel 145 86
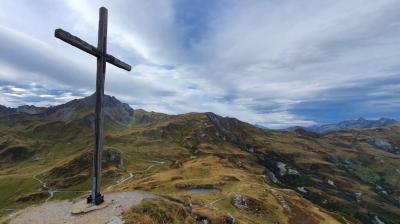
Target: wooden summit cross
pixel 102 57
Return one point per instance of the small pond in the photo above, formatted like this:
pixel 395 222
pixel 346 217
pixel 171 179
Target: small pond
pixel 200 190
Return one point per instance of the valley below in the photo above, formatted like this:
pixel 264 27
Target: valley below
pixel 204 168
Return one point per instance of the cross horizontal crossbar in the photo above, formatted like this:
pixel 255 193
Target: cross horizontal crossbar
pixel 88 48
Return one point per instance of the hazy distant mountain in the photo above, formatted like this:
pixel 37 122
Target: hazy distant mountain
pixel 26 109
pixel 4 111
pixel 359 123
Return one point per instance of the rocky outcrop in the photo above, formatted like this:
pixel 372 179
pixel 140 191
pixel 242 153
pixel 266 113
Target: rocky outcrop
pixel 272 177
pixel 114 111
pixel 283 170
pixel 233 130
pixel 385 146
pixel 30 109
pixel 248 204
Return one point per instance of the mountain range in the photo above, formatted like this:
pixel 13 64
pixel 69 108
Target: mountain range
pixel 349 174
pixel 360 123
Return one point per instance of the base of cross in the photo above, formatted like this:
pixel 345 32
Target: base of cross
pixel 98 200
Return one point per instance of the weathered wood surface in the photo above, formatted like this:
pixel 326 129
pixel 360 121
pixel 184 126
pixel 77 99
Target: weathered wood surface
pixel 99 119
pixel 102 57
pixel 76 42
pixel 88 48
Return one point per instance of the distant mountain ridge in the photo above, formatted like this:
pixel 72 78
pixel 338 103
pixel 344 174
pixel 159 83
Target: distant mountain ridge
pixel 27 109
pixel 360 123
pixel 114 110
pixel 81 104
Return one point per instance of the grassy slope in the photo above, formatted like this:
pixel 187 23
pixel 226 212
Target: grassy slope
pixel 198 152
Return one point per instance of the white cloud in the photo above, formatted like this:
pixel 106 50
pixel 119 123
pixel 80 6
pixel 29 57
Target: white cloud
pixel 259 61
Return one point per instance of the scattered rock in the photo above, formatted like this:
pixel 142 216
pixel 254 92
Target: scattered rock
pixel 283 170
pixel 293 172
pixel 248 204
pixel 302 190
pixel 333 159
pixel 358 196
pixel 346 162
pixel 281 200
pixel 229 219
pixel 338 161
pixel 240 202
pixel 115 220
pixel 202 220
pixel 176 164
pixel 376 220
pixel 230 178
pixel 272 177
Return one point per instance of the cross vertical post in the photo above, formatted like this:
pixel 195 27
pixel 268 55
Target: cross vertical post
pixel 102 58
pixel 99 120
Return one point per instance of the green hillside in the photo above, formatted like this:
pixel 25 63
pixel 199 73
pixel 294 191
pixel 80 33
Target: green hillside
pixel 252 175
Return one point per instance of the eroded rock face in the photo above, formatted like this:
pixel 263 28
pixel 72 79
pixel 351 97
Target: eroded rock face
pixel 376 220
pixel 330 182
pixel 283 170
pixel 240 202
pixel 302 190
pixel 338 161
pixel 202 219
pixel 112 156
pixel 272 177
pixel 30 109
pixel 385 146
pixel 358 196
pixel 248 204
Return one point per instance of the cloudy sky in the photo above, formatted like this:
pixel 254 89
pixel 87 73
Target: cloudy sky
pixel 275 63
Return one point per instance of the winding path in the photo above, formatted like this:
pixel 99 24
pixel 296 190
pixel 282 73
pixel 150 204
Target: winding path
pixel 123 180
pixel 53 191
pixel 132 174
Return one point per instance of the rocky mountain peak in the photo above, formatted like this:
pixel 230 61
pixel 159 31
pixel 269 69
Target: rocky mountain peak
pixel 359 123
pixel 31 109
pixel 114 111
pixel 4 111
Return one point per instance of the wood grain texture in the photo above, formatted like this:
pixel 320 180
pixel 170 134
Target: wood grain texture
pixel 99 113
pixel 88 48
pixel 102 58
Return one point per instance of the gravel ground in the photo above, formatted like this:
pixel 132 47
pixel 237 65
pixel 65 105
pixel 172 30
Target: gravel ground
pixel 60 212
